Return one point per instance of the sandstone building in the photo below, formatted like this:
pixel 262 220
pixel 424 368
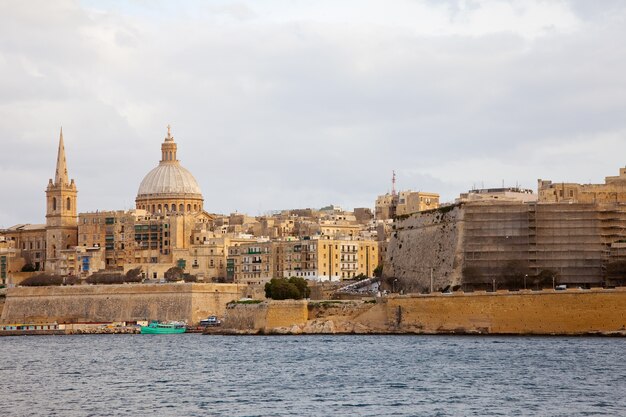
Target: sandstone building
pixel 507 244
pixel 388 206
pixel 169 227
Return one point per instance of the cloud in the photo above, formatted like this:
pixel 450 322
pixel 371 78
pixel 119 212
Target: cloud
pixel 298 104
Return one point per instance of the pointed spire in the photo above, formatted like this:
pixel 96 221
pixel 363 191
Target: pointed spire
pixel 61 177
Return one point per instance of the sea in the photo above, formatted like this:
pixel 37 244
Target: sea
pixel 197 375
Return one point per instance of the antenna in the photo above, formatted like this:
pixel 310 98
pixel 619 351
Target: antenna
pixel 393 183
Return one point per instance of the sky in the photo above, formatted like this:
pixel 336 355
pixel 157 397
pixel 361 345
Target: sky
pixel 293 104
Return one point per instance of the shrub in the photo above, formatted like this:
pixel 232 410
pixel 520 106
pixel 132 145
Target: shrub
pixel 134 275
pixel 71 280
pixel 294 288
pixel 190 278
pixel 42 280
pixel 174 274
pixel 378 271
pixel 106 278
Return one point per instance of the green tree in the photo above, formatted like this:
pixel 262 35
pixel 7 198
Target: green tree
pixel 103 277
pixel 133 275
pixel 174 274
pixel 41 280
pixel 293 288
pixel 378 271
pixel 28 268
pixel 302 285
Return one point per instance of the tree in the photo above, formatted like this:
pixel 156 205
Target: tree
pixel 294 288
pixel 378 271
pixel 106 278
pixel 174 274
pixel 302 285
pixel 134 275
pixel 545 278
pixel 28 268
pixel 190 278
pixel 616 273
pixel 41 280
pixel 71 280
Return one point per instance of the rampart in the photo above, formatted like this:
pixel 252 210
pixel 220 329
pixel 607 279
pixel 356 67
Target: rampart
pixel 265 317
pixel 569 312
pixel 509 245
pixel 116 303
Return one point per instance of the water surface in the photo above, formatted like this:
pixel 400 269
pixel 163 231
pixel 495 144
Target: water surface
pixel 195 375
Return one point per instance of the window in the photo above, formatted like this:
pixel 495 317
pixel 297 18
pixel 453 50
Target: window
pixel 54 203
pixel 68 204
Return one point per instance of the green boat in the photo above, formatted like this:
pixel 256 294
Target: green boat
pixel 163 328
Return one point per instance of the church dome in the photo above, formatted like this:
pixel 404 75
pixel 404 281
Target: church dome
pixel 168 178
pixel 169 188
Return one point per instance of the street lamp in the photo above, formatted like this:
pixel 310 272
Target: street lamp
pixel 525 277
pixel 393 286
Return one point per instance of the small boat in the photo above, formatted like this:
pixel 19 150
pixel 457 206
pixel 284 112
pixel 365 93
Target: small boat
pixel 163 328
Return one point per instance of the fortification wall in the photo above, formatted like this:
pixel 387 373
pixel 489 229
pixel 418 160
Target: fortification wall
pixel 423 242
pixel 286 313
pixel 108 303
pixel 570 312
pixel 265 317
pixel 524 312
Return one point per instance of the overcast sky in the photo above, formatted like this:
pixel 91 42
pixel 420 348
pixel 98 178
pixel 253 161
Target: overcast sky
pixel 287 104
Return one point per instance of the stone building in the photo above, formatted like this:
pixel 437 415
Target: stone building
pixel 502 194
pixel 169 188
pixel 510 245
pixel 29 243
pixel 61 217
pixel 612 191
pixel 388 206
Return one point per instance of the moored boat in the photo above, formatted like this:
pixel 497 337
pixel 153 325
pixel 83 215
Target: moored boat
pixel 163 328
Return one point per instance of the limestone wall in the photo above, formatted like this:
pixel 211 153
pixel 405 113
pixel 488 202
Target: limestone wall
pixel 425 241
pixel 570 312
pixel 109 303
pixel 267 316
pixel 286 313
pixel 525 312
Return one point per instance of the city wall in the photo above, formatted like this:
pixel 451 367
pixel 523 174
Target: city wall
pixel 427 245
pixel 265 317
pixel 570 312
pixel 116 303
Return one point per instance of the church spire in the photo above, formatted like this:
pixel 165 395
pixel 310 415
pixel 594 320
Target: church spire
pixel 61 177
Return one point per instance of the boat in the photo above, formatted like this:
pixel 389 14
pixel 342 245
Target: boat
pixel 156 327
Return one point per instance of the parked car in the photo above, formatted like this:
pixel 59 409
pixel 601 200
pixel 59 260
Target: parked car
pixel 210 321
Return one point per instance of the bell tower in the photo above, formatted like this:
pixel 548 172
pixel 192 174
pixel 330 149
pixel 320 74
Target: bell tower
pixel 61 217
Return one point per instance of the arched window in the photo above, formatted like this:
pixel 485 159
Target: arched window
pixel 195 207
pixel 181 208
pixel 166 208
pixel 54 203
pixel 159 208
pixel 170 155
pixel 153 208
pixel 68 203
pixel 188 207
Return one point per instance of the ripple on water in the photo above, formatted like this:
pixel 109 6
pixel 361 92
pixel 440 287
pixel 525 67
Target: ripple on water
pixel 195 375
